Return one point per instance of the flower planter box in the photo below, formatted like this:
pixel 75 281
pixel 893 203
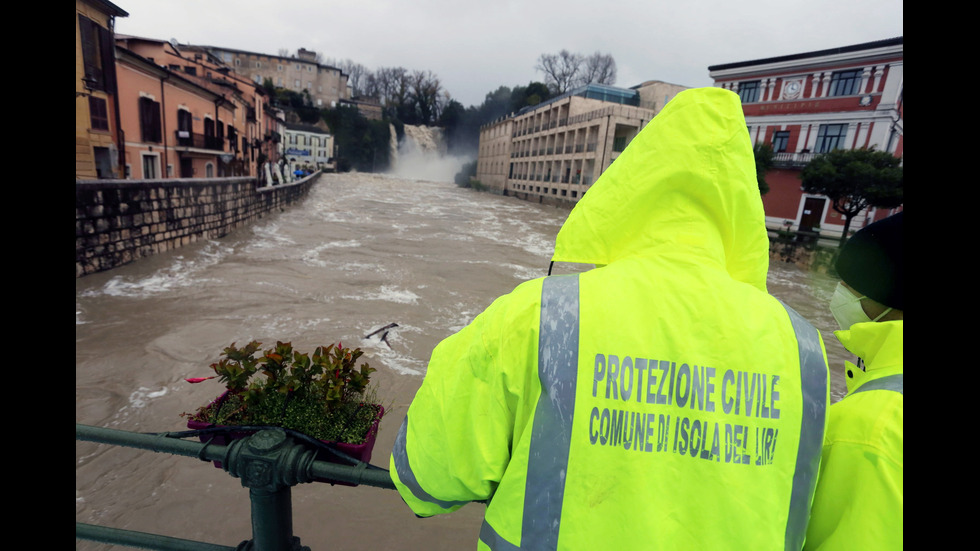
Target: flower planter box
pixel 360 452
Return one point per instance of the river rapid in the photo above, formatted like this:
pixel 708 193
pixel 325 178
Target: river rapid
pixel 360 252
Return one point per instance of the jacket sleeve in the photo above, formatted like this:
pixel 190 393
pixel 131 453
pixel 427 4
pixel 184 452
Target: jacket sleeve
pixel 456 440
pixel 859 499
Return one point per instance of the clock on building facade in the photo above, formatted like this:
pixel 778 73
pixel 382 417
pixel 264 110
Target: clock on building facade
pixel 792 88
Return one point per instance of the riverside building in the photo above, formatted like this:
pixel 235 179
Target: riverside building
pixel 811 103
pixel 554 151
pixel 308 146
pixel 326 85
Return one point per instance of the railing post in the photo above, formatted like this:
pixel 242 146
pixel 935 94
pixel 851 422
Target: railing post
pixel 269 464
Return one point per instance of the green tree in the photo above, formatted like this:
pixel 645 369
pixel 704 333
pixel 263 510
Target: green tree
pixel 763 164
pixel 452 120
pixel 855 179
pixel 532 94
pixel 362 144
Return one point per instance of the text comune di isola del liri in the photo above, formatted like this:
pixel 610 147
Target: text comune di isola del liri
pixel 620 382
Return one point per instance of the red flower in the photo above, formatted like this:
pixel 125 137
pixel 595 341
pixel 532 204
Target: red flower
pixel 199 379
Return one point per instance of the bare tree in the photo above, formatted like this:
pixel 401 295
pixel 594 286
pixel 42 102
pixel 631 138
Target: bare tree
pixel 559 70
pixel 425 94
pixel 391 86
pixel 357 74
pixel 598 68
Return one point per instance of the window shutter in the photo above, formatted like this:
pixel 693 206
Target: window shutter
pixel 108 55
pixel 88 33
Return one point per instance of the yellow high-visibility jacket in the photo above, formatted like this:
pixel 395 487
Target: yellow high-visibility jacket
pixel 859 502
pixel 663 400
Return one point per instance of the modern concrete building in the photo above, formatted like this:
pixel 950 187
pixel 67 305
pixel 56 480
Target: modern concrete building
pixel 554 151
pixel 811 103
pixel 98 135
pixel 326 85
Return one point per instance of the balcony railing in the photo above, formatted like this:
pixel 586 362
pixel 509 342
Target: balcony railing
pixel 200 141
pixel 796 160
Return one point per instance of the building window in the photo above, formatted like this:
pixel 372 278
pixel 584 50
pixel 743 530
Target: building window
pixel 149 120
pixel 830 137
pixel 191 71
pixel 748 92
pixel 279 67
pixel 151 168
pixel 780 141
pixel 185 126
pixel 99 113
pixel 103 162
pixel 845 83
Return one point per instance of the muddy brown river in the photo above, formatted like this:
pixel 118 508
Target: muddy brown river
pixel 360 252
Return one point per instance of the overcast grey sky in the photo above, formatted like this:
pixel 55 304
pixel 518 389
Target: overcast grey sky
pixel 474 47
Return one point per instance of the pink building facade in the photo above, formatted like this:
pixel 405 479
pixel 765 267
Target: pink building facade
pixel 811 103
pixel 189 117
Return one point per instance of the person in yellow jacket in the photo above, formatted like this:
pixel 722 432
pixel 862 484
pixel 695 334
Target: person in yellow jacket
pixel 859 499
pixel 663 399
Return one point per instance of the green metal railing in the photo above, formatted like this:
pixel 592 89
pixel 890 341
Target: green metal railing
pixel 269 463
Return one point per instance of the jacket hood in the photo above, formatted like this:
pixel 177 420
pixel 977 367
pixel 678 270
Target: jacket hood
pixel 685 186
pixel 879 344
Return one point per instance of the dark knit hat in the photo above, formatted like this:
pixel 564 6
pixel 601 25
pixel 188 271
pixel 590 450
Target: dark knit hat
pixel 872 262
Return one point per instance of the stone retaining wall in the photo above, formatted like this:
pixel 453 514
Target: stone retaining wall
pixel 119 221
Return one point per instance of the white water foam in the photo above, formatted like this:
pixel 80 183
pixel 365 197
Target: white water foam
pixel 312 256
pixel 182 273
pixel 389 294
pixel 421 155
pixel 139 397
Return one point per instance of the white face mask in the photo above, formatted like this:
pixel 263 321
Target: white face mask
pixel 847 310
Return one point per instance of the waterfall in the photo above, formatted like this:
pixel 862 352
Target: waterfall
pixel 422 155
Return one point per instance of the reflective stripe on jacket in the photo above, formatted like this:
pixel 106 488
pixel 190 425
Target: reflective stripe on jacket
pixel 660 401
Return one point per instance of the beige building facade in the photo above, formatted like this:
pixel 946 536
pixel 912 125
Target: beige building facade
pixel 555 151
pixel 326 85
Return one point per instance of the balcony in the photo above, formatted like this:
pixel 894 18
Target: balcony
pixel 792 160
pixel 198 141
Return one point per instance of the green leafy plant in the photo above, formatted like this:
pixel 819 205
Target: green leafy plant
pixel 324 394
